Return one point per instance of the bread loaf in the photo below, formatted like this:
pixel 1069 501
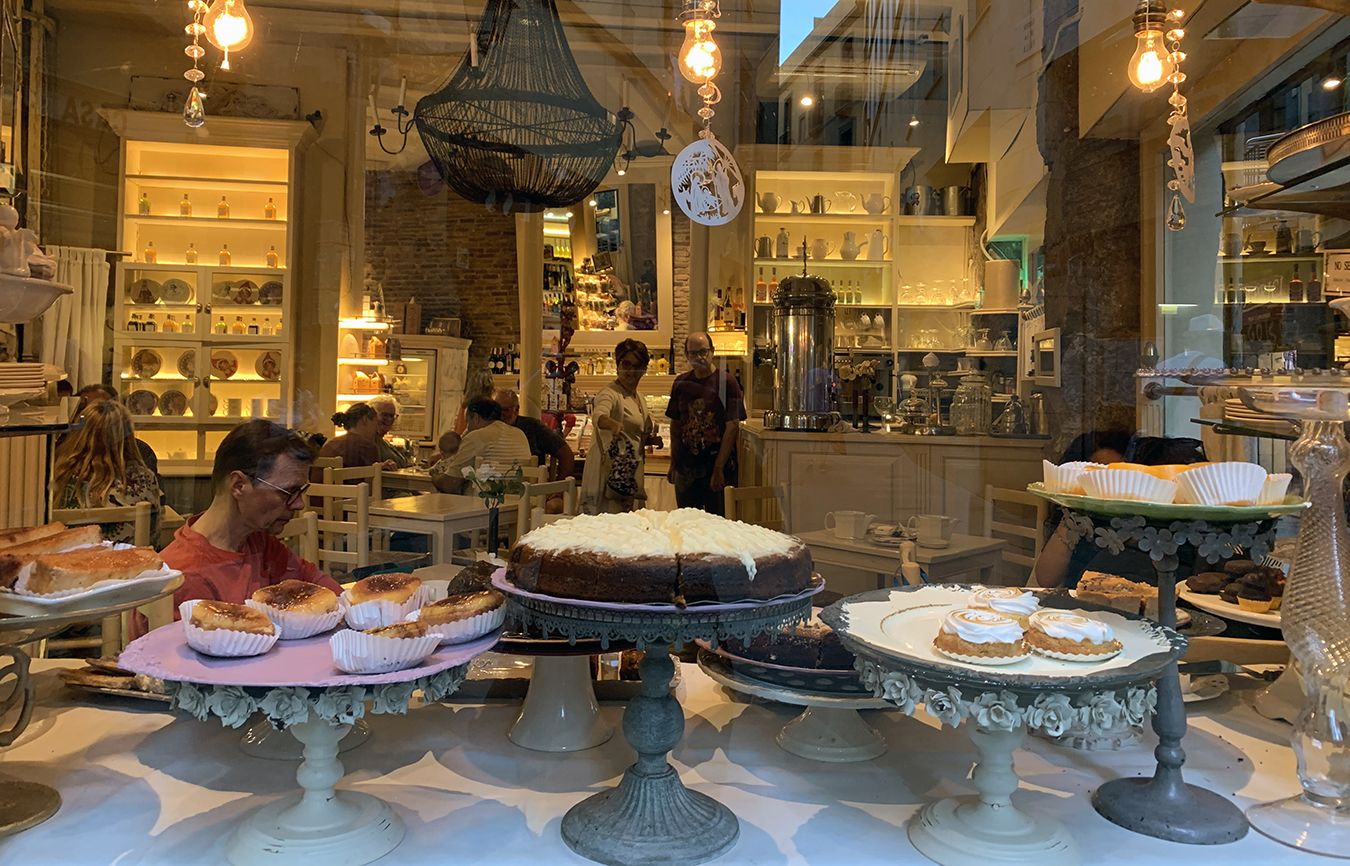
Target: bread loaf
pixel 25 534
pixel 14 558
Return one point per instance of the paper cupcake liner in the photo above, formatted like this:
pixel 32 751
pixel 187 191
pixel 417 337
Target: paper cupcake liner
pixel 1275 488
pixel 373 614
pixel 294 626
pixel 222 642
pixel 355 652
pixel 1221 484
pixel 1128 484
pixel 992 661
pixel 434 590
pixel 1068 477
pixel 465 629
pixel 1076 657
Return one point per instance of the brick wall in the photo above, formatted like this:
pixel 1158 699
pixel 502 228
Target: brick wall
pixel 679 230
pixel 456 258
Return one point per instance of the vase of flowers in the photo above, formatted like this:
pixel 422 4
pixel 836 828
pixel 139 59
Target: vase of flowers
pixel 861 377
pixel 493 485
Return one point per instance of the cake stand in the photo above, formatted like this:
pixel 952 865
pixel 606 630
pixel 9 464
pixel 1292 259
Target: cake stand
pixel 651 817
pixel 828 730
pixel 891 631
pixel 27 804
pixel 1166 806
pixel 559 713
pixel 297 687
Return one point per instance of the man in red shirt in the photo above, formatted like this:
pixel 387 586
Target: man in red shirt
pixel 228 551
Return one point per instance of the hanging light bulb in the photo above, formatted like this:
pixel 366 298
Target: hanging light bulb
pixel 1152 61
pixel 229 27
pixel 700 58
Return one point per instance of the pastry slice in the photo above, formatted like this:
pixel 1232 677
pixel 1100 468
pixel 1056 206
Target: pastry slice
pixel 397 588
pixel 399 630
pixel 80 569
pixel 297 596
pixel 15 557
pixel 25 534
pixel 212 615
pixel 461 607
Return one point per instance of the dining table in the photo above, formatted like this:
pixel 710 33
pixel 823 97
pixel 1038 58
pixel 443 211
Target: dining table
pixel 410 479
pixel 852 565
pixel 441 516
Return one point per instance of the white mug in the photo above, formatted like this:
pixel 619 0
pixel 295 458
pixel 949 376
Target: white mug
pixel 932 530
pixel 849 524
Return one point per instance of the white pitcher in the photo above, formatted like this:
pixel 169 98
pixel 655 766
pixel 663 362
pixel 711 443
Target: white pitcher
pixel 877 246
pixel 769 202
pixel 877 203
pixel 850 248
pixel 849 524
pixel 849 200
pixel 821 248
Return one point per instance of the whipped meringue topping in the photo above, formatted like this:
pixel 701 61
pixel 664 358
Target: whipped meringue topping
pixel 979 625
pixel 1071 626
pixel 1005 599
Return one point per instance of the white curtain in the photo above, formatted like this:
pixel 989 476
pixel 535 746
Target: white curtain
pixel 72 330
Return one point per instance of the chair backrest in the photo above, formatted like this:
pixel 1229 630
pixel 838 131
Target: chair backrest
pixel 344 539
pixel 327 463
pixel 757 505
pixel 1018 518
pixel 301 534
pixel 533 497
pixel 534 474
pixel 372 476
pixel 138 515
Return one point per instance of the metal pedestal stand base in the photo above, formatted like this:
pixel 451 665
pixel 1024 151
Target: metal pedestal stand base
pixel 836 736
pixel 560 713
pixel 262 740
pixel 338 828
pixel 651 817
pixel 25 804
pixel 988 828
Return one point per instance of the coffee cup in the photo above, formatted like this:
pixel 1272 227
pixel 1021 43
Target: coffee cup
pixel 234 407
pixel 849 524
pixel 932 530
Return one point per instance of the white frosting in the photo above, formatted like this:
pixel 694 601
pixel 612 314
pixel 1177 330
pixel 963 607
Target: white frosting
pixel 1071 626
pixel 978 625
pixel 683 532
pixel 1005 599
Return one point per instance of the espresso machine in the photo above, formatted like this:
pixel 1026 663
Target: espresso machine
pixel 802 331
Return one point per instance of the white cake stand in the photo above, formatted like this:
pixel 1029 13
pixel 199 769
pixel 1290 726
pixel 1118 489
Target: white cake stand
pixel 262 740
pixel 829 728
pixel 297 687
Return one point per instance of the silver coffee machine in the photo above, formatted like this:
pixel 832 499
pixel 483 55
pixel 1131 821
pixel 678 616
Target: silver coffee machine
pixel 803 354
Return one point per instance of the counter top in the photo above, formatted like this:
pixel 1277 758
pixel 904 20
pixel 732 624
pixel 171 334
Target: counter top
pixel 755 427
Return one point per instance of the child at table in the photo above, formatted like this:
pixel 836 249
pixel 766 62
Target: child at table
pixel 446 448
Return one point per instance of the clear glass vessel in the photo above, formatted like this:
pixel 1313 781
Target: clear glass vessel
pixel 972 405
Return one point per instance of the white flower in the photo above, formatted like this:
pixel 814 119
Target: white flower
pixel 232 704
pixel 945 706
pixel 1103 713
pixel 1052 713
pixel 903 692
pixel 467 472
pixel 286 706
pixel 996 712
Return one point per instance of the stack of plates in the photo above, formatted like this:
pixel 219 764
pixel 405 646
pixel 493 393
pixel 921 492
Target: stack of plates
pixel 1235 412
pixel 17 376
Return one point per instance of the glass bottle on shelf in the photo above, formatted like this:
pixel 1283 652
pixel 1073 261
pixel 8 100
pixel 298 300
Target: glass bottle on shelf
pixel 972 406
pixel 187 325
pixel 151 255
pixel 170 326
pixel 185 206
pixel 190 255
pixel 135 323
pixel 253 328
pixel 1004 342
pixel 276 329
pixel 1295 287
pixel 225 256
pixel 150 325
pixel 273 259
pixel 761 288
pixel 143 205
pixel 1312 290
pixel 223 209
pixel 220 327
pixel 269 210
pixel 238 327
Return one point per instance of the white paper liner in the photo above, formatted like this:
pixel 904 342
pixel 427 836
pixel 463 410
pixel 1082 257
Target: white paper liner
pixel 1076 657
pixel 1231 483
pixel 434 591
pixel 294 626
pixel 1128 484
pixel 223 642
pixel 465 629
pixel 373 614
pixel 355 652
pixel 1275 488
pixel 21 580
pixel 992 661
pixel 1068 477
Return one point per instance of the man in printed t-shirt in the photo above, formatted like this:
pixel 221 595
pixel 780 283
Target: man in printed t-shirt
pixel 705 411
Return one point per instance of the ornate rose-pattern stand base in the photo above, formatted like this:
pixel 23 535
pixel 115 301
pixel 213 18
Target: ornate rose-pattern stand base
pixel 1165 806
pixel 651 817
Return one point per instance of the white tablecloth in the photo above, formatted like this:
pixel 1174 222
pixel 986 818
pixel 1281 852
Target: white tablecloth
pixel 141 786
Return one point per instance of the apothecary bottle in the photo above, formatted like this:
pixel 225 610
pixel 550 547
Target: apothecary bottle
pixel 190 255
pixel 143 205
pixel 269 210
pixel 273 259
pixel 225 256
pixel 223 209
pixel 185 206
pixel 972 405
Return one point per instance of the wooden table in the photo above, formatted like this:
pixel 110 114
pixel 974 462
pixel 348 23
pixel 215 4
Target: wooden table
pixel 439 515
pixel 858 565
pixel 416 480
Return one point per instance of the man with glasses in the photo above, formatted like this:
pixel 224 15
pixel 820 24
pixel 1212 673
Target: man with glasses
pixel 386 413
pixel 260 476
pixel 705 411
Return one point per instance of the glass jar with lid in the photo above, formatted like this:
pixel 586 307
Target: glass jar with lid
pixel 972 405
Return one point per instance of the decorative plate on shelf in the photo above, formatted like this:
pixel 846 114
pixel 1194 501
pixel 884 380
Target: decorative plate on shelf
pixel 224 364
pixel 175 291
pixel 142 402
pixel 173 402
pixel 268 365
pixel 221 291
pixel 1170 510
pixel 244 292
pixel 187 364
pixel 143 291
pixel 270 292
pixel 1212 603
pixel 146 363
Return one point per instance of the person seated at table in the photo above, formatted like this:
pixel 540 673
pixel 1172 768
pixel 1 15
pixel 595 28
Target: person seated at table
pixel 545 443
pixel 1062 564
pixel 488 440
pixel 99 392
pixel 98 466
pixel 446 447
pixel 230 550
pixel 358 446
pixel 386 413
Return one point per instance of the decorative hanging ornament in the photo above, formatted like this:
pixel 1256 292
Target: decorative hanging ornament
pixel 194 110
pixel 1181 157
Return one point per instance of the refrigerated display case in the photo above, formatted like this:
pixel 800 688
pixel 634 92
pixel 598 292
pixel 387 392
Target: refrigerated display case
pixel 426 377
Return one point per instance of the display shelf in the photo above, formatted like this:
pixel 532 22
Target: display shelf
pixel 825 263
pixel 207 184
pixel 936 308
pixel 1274 303
pixel 216 222
pixel 934 221
pixel 931 349
pixel 365 362
pixel 1008 353
pixel 1259 259
pixel 1001 311
pixel 810 218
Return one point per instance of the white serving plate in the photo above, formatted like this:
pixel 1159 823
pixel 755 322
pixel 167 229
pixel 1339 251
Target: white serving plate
pixel 905 623
pixel 101 595
pixel 1217 606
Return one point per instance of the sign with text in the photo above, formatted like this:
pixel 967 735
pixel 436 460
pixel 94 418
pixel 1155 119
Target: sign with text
pixel 1338 274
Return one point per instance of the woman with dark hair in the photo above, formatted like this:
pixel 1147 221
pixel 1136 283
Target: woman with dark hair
pixel 360 445
pixel 98 465
pixel 613 479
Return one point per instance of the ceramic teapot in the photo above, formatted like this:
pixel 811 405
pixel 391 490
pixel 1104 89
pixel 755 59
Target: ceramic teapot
pixel 821 248
pixel 877 246
pixel 850 248
pixel 876 203
pixel 769 202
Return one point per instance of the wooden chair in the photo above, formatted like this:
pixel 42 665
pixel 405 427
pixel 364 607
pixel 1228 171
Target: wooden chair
pixel 373 476
pixel 757 505
pixel 535 474
pixel 109 640
pixel 526 517
pixel 342 539
pixel 1018 518
pixel 301 535
pixel 327 463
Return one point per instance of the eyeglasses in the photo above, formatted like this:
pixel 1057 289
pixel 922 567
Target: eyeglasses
pixel 291 495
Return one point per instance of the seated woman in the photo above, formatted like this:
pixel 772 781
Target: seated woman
pixel 98 465
pixel 1061 564
pixel 360 445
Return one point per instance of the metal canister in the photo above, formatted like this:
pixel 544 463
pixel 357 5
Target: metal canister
pixel 957 201
pixel 1040 424
pixel 919 200
pixel 803 338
